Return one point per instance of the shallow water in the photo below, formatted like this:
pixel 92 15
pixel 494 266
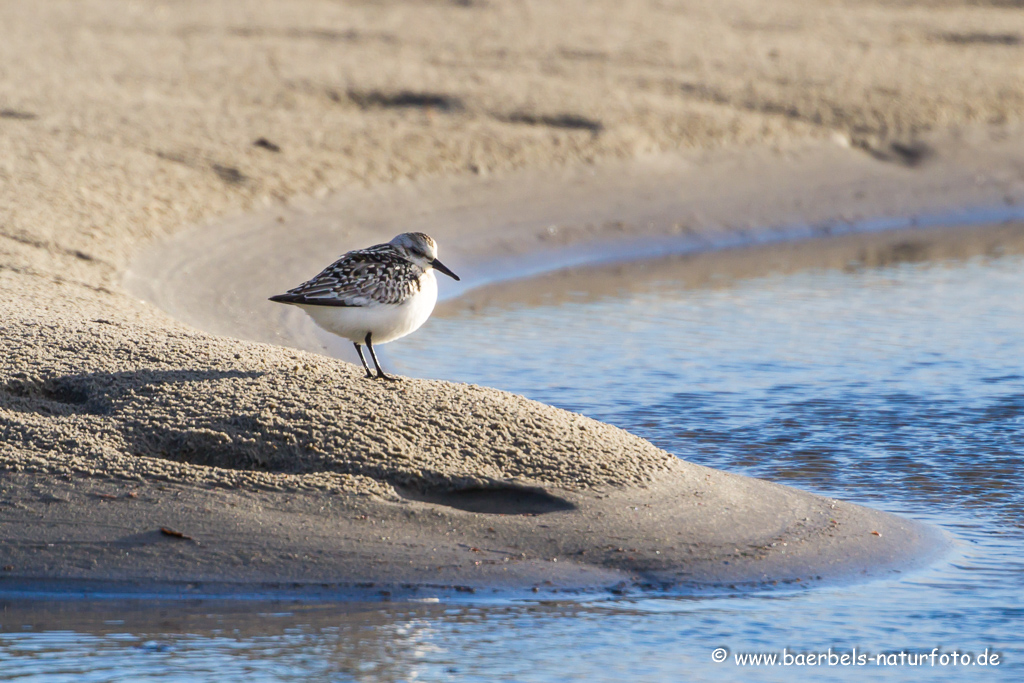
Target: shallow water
pixel 899 386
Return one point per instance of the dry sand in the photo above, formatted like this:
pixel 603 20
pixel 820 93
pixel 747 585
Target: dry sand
pixel 124 123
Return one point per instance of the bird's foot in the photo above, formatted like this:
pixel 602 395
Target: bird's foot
pixel 389 378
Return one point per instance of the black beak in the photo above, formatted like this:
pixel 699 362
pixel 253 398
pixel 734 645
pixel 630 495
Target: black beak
pixel 444 269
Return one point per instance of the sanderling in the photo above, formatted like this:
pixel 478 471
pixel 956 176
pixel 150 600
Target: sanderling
pixel 376 294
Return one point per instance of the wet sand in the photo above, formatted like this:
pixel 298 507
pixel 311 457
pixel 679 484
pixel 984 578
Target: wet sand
pixel 120 126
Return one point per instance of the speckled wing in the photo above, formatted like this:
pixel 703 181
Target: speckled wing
pixel 365 277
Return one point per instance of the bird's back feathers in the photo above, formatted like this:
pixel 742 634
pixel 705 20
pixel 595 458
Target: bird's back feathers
pixel 364 277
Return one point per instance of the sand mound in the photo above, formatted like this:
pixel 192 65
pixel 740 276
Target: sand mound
pixel 127 400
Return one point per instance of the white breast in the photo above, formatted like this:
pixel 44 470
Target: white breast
pixel 386 322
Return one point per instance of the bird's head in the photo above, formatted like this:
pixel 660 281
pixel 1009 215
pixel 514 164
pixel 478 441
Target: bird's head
pixel 421 249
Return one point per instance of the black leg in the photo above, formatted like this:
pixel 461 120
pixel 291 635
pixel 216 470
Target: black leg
pixel 380 371
pixel 359 350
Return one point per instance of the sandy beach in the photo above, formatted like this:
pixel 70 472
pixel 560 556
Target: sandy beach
pixel 164 167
